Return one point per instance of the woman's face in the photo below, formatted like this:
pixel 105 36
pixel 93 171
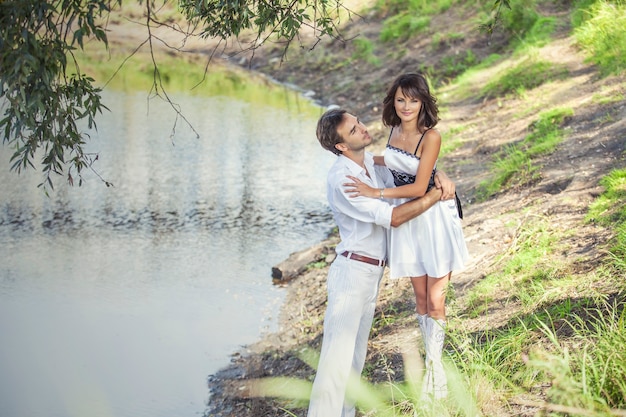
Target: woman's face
pixel 407 108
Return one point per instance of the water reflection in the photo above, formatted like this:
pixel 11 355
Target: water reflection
pixel 121 301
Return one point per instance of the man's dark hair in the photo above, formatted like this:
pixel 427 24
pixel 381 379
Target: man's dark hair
pixel 327 129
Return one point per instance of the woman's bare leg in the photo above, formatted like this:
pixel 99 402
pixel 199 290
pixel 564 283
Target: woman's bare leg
pixel 420 289
pixel 436 296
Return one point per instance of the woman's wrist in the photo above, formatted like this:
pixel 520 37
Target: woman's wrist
pixel 382 193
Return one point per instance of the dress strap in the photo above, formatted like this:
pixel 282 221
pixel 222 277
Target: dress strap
pixel 389 138
pixel 420 141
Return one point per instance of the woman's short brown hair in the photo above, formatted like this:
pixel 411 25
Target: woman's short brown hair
pixel 413 85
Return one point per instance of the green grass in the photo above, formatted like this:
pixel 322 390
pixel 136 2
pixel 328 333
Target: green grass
pixel 609 210
pixel 180 74
pixel 408 18
pixel 317 265
pixel 364 51
pixel 520 18
pixel 384 318
pixel 599 27
pixel 444 40
pixel 575 348
pixel 581 373
pixel 403 26
pixel 453 65
pixel 423 7
pixel 452 139
pixel 604 98
pixel 603 362
pixel 588 372
pixel 601 32
pixel 515 165
pixel 522 265
pixel 506 76
pixel 528 74
pixel 538 35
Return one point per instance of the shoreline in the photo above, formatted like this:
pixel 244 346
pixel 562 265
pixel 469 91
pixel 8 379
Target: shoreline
pixel 231 389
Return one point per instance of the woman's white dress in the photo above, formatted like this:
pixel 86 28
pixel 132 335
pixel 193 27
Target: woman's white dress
pixel 431 244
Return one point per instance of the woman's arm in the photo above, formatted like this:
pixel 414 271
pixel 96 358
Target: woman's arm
pixel 445 184
pixel 379 160
pixel 428 158
pixel 413 208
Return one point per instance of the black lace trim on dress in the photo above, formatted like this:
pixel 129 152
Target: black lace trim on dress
pixel 402 151
pixel 402 178
pixel 399 177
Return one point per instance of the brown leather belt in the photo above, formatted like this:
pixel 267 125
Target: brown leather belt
pixel 365 259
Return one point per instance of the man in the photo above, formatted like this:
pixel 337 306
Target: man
pixel 354 277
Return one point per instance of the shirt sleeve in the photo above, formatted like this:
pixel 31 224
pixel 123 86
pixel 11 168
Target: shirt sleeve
pixel 385 175
pixel 364 209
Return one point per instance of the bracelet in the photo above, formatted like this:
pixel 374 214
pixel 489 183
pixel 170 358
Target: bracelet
pixel 382 190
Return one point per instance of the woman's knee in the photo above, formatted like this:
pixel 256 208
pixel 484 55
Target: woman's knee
pixel 436 306
pixel 437 313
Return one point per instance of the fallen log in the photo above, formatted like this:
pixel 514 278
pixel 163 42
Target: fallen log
pixel 298 262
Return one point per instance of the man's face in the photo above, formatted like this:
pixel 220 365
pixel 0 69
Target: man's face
pixel 354 134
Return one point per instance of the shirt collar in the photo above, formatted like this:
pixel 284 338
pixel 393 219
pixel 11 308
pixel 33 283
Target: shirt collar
pixel 355 168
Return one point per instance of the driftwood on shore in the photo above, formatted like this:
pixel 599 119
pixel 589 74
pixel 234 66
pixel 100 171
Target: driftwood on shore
pixel 298 262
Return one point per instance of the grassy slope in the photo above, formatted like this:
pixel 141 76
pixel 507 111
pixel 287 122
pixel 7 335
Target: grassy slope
pixel 506 283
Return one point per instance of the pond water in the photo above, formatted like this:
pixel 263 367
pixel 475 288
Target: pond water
pixel 121 301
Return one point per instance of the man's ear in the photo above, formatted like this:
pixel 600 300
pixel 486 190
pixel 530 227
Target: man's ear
pixel 341 147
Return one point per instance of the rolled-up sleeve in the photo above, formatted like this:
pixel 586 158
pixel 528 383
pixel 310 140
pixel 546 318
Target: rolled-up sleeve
pixel 363 209
pixel 383 173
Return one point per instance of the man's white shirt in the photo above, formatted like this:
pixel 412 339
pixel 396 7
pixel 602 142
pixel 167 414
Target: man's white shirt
pixel 363 222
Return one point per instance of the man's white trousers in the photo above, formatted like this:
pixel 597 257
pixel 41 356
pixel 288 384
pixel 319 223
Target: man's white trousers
pixel 352 293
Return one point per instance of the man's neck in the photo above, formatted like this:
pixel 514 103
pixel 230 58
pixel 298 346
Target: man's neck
pixel 357 157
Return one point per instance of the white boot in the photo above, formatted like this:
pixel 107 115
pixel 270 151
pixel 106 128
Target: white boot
pixel 422 320
pixel 437 383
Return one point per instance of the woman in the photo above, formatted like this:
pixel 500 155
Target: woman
pixel 428 248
